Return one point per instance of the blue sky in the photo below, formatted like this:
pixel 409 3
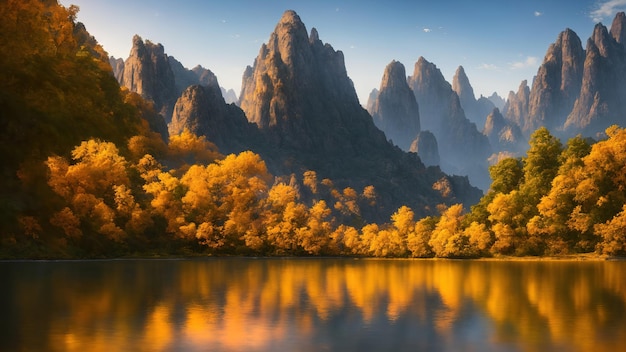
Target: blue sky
pixel 499 43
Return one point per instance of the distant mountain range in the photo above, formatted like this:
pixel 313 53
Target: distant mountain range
pixel 298 108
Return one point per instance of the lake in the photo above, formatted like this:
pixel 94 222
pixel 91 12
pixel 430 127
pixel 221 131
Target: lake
pixel 249 304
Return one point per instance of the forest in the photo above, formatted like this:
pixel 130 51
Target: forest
pixel 83 176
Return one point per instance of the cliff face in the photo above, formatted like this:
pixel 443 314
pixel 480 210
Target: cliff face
pixel 298 91
pixel 300 97
pixel 425 145
pixel 503 135
pixel 516 107
pixel 395 109
pixel 463 150
pixel 602 99
pixel 557 84
pixel 476 110
pixel 147 72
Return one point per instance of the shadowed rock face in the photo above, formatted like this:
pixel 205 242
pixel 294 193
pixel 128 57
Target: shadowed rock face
pixel 298 89
pixel 395 109
pixel 557 84
pixel 602 99
pixel 299 96
pixel 476 110
pixel 516 107
pixel 503 135
pixel 147 72
pixel 576 91
pixel 463 150
pixel 425 145
pixel 203 111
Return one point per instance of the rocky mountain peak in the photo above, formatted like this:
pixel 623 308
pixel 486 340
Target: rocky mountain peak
pixel 147 72
pixel 475 110
pixel 557 84
pixel 618 28
pixel 516 107
pixel 314 37
pixel 461 85
pixel 441 113
pixel 395 109
pixel 299 95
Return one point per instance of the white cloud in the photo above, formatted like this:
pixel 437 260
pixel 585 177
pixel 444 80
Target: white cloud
pixel 427 30
pixel 490 67
pixel 607 9
pixel 531 61
pixel 537 13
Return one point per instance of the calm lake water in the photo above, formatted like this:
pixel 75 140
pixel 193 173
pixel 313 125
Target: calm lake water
pixel 246 304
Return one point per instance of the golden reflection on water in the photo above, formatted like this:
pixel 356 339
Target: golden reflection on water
pixel 312 304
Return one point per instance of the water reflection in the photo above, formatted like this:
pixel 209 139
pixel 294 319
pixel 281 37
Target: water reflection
pixel 312 305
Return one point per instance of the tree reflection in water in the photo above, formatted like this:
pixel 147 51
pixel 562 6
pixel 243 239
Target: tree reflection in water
pixel 246 304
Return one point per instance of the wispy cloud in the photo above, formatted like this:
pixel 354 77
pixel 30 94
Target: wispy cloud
pixel 538 13
pixel 489 67
pixel 531 61
pixel 427 30
pixel 607 9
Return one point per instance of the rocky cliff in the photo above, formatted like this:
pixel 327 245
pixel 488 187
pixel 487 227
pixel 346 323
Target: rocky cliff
pixel 299 95
pixel 395 109
pixel 463 150
pixel 602 99
pixel 476 110
pixel 425 145
pixel 556 85
pixel 503 135
pixel 516 107
pixel 203 111
pixel 147 72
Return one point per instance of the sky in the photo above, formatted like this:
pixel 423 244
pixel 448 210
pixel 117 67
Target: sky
pixel 499 43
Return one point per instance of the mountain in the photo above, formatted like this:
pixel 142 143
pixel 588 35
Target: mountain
pixel 147 71
pixel 503 135
pixel 158 77
pixel 230 96
pixel 516 107
pixel 371 99
pixel 463 150
pixel 576 91
pixel 476 110
pixel 299 95
pixel 203 111
pixel 395 109
pixel 602 99
pixel 497 100
pixel 557 84
pixel 425 145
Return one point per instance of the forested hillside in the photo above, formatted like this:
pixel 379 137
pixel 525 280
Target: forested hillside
pixel 83 175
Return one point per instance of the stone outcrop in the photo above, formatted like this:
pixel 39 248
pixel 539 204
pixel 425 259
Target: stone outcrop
pixel 203 111
pixel 299 95
pixel 503 135
pixel 476 110
pixel 371 100
pixel 425 145
pixel 117 65
pixel 556 85
pixel 497 100
pixel 395 109
pixel 462 148
pixel 516 107
pixel 147 72
pixel 602 99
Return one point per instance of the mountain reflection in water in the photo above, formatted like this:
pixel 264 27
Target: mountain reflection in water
pixel 245 304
